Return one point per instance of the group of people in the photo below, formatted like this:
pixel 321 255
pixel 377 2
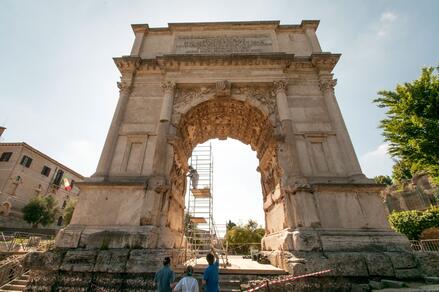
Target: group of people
pixel 165 278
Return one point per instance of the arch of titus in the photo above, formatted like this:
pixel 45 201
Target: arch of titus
pixel 267 85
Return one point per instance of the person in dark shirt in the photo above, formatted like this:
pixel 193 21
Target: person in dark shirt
pixel 210 277
pixel 164 277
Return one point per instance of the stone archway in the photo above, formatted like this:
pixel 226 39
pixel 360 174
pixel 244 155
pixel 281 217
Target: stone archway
pixel 228 118
pixel 267 85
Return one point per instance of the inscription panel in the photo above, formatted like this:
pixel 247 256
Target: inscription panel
pixel 224 44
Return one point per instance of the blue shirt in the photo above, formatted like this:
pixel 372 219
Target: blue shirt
pixel 211 277
pixel 164 278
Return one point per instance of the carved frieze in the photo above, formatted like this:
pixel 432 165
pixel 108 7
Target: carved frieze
pixel 262 94
pixel 184 96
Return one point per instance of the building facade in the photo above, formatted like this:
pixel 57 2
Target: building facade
pixel 25 173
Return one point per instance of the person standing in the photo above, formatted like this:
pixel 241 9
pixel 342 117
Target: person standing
pixel 187 283
pixel 210 277
pixel 164 277
pixel 194 176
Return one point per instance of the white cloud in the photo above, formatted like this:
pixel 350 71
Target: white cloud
pixel 377 161
pixel 385 23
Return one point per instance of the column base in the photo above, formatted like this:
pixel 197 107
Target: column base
pixel 335 239
pixel 147 236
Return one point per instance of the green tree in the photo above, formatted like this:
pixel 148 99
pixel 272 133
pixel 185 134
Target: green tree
pixel 412 124
pixel 40 210
pixel 230 225
pixel 412 223
pixel 242 237
pixel 68 211
pixel 383 179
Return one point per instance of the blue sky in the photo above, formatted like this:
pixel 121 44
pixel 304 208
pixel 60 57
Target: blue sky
pixel 58 81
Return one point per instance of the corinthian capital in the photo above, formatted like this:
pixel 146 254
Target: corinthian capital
pixel 124 87
pixel 327 84
pixel 279 86
pixel 168 87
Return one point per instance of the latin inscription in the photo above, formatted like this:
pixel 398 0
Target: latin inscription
pixel 223 44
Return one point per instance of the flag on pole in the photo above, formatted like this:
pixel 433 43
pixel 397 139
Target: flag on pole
pixel 67 185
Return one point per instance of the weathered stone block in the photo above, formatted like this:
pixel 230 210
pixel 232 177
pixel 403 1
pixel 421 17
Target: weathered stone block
pixel 402 260
pixel 408 273
pixel 113 261
pixel 50 260
pixel 393 284
pixel 108 282
pixel 68 238
pixel 145 261
pixel 68 281
pixel 306 241
pixel 376 285
pixel 428 262
pixel 340 264
pixel 79 260
pixel 379 264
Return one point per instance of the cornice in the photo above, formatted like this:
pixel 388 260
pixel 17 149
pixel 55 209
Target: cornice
pixel 323 61
pixel 195 26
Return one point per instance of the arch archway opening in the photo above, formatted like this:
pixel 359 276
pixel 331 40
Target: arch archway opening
pixel 224 118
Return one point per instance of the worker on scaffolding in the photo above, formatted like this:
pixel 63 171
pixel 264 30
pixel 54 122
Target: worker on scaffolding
pixel 194 176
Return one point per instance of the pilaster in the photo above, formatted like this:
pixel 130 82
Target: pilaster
pixel 127 67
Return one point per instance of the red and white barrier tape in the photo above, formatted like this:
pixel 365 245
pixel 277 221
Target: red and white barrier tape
pixel 286 280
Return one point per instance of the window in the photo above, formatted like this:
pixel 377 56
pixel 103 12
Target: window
pixel 26 161
pixel 45 171
pixel 5 156
pixel 64 204
pixel 58 177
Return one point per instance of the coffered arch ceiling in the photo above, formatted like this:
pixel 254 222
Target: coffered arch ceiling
pixel 226 118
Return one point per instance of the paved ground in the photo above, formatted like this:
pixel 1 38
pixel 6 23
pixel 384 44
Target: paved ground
pixel 237 265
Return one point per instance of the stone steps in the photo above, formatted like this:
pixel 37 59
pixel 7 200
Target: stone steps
pixel 18 284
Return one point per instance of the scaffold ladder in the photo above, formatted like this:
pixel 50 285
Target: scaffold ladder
pixel 200 229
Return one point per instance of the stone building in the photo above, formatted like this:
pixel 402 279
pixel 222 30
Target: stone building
pixel 25 173
pixel 417 194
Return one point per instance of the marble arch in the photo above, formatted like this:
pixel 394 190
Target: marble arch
pixel 266 84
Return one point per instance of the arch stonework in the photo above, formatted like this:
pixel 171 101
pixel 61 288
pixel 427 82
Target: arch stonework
pixel 265 84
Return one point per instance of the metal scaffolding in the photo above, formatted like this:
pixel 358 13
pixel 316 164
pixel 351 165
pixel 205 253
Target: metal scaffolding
pixel 201 231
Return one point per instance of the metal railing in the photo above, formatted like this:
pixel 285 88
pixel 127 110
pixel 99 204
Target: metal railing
pixel 11 268
pixel 25 242
pixel 425 245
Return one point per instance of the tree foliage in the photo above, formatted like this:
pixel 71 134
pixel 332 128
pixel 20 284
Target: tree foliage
pixel 412 124
pixel 242 237
pixel 40 210
pixel 412 223
pixel 68 211
pixel 383 179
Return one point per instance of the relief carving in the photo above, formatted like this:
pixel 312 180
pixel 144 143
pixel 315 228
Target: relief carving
pixel 184 96
pixel 223 88
pixel 262 94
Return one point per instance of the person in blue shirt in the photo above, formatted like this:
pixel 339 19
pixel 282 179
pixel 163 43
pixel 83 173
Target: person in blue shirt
pixel 210 277
pixel 164 277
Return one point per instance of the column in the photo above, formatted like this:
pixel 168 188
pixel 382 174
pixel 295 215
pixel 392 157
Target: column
pixel 104 164
pixel 280 89
pixel 327 84
pixel 160 155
